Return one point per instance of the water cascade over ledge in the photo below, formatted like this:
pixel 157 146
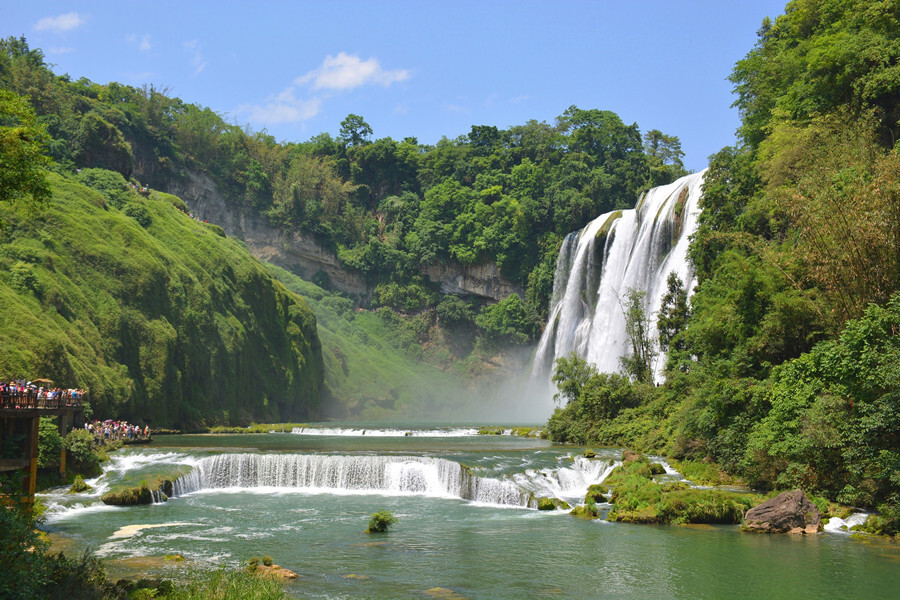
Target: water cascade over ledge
pixel 617 251
pixel 389 475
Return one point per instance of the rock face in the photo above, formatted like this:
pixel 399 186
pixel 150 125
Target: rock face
pixel 295 251
pixel 300 253
pixel 474 280
pixel 788 512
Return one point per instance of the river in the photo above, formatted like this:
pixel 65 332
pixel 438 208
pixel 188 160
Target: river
pixel 464 529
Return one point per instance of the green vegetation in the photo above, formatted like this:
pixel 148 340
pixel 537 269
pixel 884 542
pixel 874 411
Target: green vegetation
pixel 783 369
pixel 128 496
pixel 551 504
pixel 637 498
pixel 79 486
pixel 588 510
pixel 381 522
pixel 22 141
pixel 169 323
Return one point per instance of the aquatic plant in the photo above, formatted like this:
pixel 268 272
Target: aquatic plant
pixel 381 522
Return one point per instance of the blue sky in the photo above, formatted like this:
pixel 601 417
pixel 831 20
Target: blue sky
pixel 424 69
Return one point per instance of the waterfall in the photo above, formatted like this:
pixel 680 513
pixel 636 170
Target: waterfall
pixel 392 475
pixel 389 475
pixel 385 432
pixel 617 251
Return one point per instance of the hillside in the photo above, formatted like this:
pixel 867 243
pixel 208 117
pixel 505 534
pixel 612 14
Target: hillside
pixel 162 318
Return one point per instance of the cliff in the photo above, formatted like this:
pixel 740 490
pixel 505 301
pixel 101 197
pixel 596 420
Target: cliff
pixel 299 252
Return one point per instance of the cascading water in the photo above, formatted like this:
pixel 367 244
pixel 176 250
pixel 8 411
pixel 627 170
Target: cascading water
pixel 391 475
pixel 617 251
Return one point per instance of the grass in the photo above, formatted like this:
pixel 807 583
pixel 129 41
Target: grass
pixel 230 585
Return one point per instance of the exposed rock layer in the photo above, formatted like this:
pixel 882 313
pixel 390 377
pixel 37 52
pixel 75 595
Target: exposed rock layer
pixel 302 254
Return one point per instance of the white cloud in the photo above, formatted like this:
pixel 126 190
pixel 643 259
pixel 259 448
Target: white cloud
pixel 60 50
pixel 518 99
pixel 283 108
pixel 347 71
pixel 458 109
pixel 60 23
pixel 144 43
pixel 197 60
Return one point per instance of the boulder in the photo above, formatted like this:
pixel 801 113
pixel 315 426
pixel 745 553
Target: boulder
pixel 630 456
pixel 788 512
pixel 275 571
pixel 552 504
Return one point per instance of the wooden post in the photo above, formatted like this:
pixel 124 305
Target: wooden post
pixel 63 421
pixel 31 453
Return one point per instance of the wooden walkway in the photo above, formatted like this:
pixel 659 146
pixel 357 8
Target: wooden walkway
pixel 20 416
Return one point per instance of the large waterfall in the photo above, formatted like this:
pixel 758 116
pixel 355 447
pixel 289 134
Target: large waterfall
pixel 617 251
pixel 389 475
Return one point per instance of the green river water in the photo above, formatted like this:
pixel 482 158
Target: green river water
pixel 248 500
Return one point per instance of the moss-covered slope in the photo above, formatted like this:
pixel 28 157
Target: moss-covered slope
pixel 159 316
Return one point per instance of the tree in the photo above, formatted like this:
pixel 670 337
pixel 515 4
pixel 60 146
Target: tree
pixel 638 364
pixel 22 143
pixel 674 312
pixel 664 157
pixel 506 322
pixel 570 374
pixel 355 131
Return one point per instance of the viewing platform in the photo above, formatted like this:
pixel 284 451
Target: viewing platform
pixel 20 416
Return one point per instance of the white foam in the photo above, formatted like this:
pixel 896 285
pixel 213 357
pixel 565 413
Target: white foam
pixel 379 432
pixel 836 525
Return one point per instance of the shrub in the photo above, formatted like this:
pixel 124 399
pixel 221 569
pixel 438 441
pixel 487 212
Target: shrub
pixel 109 183
pixel 267 560
pixel 140 214
pixel 79 486
pixel 381 522
pixel 49 443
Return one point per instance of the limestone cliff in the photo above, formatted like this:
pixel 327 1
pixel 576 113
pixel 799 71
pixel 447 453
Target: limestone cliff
pixel 299 252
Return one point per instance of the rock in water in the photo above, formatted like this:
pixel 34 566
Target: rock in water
pixel 788 512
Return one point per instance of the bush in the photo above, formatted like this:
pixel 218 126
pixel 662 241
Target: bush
pixel 50 444
pixel 381 522
pixel 267 560
pixel 79 486
pixel 109 183
pixel 80 454
pixel 140 214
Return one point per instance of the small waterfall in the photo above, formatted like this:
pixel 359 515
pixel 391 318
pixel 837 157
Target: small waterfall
pixel 394 475
pixel 567 482
pixel 390 475
pixel 617 251
pixel 385 432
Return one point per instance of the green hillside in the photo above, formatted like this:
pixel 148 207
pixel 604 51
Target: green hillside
pixel 159 316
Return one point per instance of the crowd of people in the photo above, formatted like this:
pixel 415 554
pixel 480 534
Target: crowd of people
pixel 21 393
pixel 110 430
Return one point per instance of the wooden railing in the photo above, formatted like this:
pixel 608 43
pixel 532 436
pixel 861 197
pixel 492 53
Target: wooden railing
pixel 31 399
